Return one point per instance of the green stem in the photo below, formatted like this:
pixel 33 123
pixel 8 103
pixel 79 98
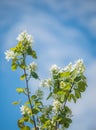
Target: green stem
pixel 56 127
pixel 27 86
pixel 68 96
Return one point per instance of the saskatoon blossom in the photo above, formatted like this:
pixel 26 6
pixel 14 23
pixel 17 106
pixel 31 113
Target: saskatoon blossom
pixel 56 105
pixel 9 54
pixel 25 110
pixel 54 69
pixel 46 83
pixel 32 67
pixel 24 36
pixel 69 67
pixel 78 66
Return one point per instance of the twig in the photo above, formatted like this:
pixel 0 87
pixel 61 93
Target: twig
pixel 27 86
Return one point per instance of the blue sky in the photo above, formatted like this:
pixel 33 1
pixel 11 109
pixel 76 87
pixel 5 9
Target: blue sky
pixel 64 31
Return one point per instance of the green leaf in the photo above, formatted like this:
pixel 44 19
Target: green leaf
pixel 34 54
pixel 34 75
pixel 35 111
pixel 26 119
pixel 29 51
pixel 14 66
pixel 20 90
pixel 22 65
pixel 69 97
pixel 25 128
pixel 67 110
pixel 77 94
pixel 65 74
pixel 67 87
pixel 73 97
pixel 62 98
pixel 33 97
pixel 66 123
pixel 21 124
pixel 43 119
pixel 15 103
pixel 27 102
pixel 78 78
pixel 82 86
pixel 69 120
pixel 37 104
pixel 49 95
pixel 23 77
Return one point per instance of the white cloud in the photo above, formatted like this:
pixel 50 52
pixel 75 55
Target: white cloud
pixel 92 25
pixel 82 11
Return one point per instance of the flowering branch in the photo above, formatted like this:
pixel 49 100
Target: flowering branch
pixel 64 85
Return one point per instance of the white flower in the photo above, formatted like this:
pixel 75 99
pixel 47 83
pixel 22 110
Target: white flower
pixel 79 66
pixel 46 83
pixel 9 54
pixel 43 83
pixel 49 82
pixel 24 36
pixel 32 67
pixel 22 109
pixel 56 105
pixel 25 110
pixel 54 69
pixel 69 67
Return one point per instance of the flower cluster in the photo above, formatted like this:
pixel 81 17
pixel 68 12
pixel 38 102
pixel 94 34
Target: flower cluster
pixel 9 54
pixel 78 66
pixel 46 83
pixel 56 105
pixel 32 67
pixel 69 67
pixel 24 36
pixel 54 69
pixel 25 110
pixel 26 42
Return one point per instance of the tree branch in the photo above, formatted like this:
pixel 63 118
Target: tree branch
pixel 27 86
